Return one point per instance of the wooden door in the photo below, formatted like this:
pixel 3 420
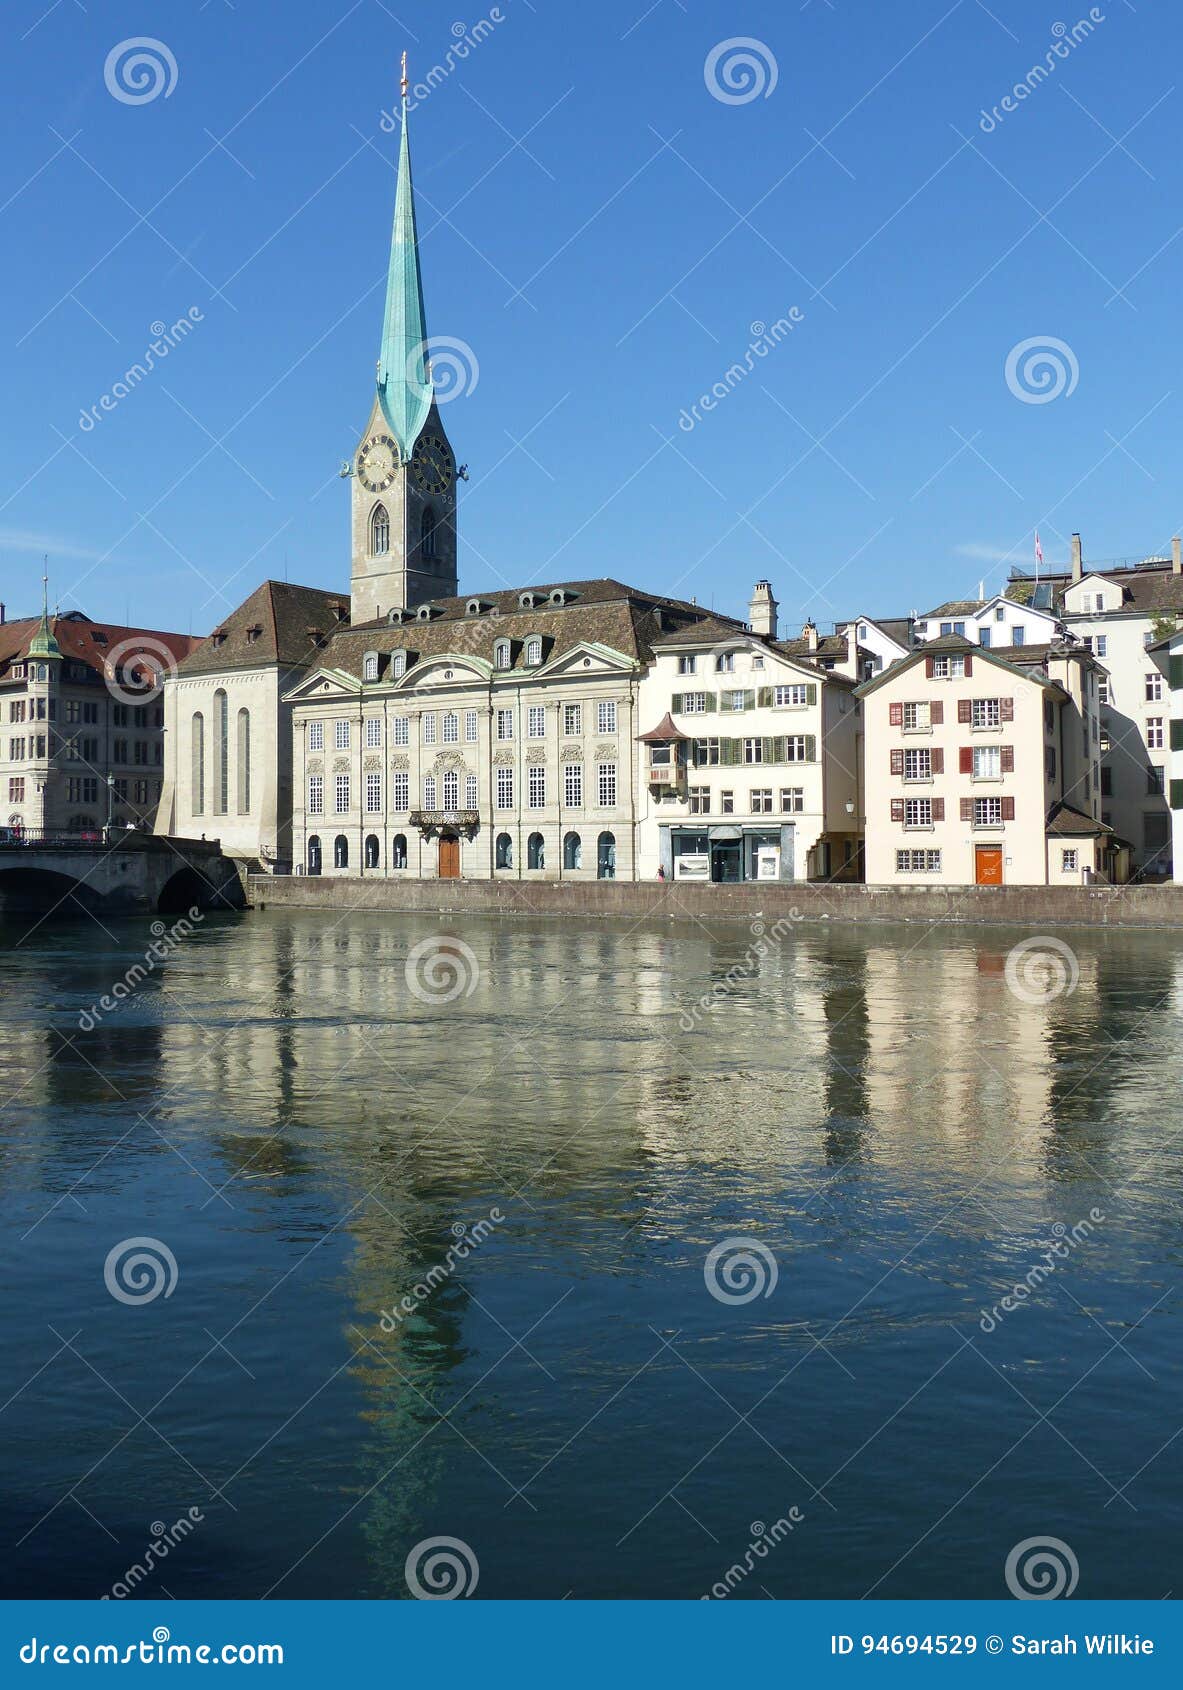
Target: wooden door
pixel 988 861
pixel 449 857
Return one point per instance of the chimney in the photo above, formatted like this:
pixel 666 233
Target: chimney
pixel 762 610
pixel 1176 563
pixel 3 614
pixel 1077 559
pixel 809 635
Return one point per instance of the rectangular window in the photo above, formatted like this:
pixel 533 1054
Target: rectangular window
pixel 700 800
pixel 606 716
pixel 1155 782
pixel 986 712
pixel 402 730
pixel 536 721
pixel 918 812
pixel 504 789
pixel 694 703
pixel 1101 645
pixel 762 801
pixel 918 862
pixel 451 727
pixel 917 716
pixel 316 795
pixel 792 800
pixel 794 695
pixel 948 668
pixel 470 726
pixel 607 785
pixel 918 764
pixel 537 787
pixel 16 790
pixel 572 719
pixel 373 793
pixel 687 665
pixel 1153 687
pixel 797 749
pixel 738 699
pixel 987 762
pixel 573 785
pixel 341 735
pixel 1102 689
pixel 373 731
pixel 400 791
pixel 316 736
pixel 753 750
pixel 706 753
pixel 341 794
pixel 1018 636
pixel 1154 735
pixel 429 727
pixel 429 792
pixel 727 803
pixel 471 792
pixel 505 724
pixel 984 637
pixel 987 812
pixel 1068 862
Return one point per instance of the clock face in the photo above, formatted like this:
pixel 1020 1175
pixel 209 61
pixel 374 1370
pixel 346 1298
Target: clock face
pixel 433 464
pixel 377 462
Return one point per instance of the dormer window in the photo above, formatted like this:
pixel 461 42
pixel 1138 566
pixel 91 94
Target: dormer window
pixel 474 607
pixel 398 665
pixel 560 595
pixel 533 650
pixel 502 656
pixel 252 634
pixel 370 666
pixel 527 600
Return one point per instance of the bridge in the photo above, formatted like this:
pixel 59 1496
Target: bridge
pixel 125 874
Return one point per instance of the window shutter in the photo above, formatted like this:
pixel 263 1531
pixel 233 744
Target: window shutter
pixel 811 693
pixel 938 760
pixel 969 665
pixel 1008 759
pixel 897 809
pixel 765 698
pixel 938 809
pixel 1008 809
pixel 965 760
pixel 729 751
pixel 895 715
pixel 1177 732
pixel 964 710
pixel 768 746
pixel 928 667
pixel 936 712
pixel 782 748
pixel 1177 795
pixel 897 762
pixel 676 704
pixel 1175 672
pixel 711 700
pixel 725 701
pixel 749 701
pixel 1006 709
pixel 967 809
pixel 810 749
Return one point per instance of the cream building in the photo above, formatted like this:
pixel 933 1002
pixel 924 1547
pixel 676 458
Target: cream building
pixel 982 768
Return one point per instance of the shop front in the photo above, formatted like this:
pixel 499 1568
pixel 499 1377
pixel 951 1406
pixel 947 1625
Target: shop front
pixel 728 853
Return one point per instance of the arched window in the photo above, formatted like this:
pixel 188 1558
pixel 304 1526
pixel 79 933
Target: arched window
pixel 244 762
pixel 451 790
pixel 340 851
pixel 428 530
pixel 606 857
pixel 314 853
pixel 371 850
pixel 533 650
pixel 572 851
pixel 501 655
pixel 398 667
pixel 221 752
pixel 536 851
pixel 398 851
pixel 379 532
pixel 197 793
pixel 504 857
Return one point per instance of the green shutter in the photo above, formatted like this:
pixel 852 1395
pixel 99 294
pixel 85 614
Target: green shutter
pixel 730 751
pixel 1177 795
pixel 1175 665
pixel 725 701
pixel 768 747
pixel 810 749
pixel 711 700
pixel 765 698
pixel 1176 733
pixel 811 693
pixel 676 704
pixel 749 701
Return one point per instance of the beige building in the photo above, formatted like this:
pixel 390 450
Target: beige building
pixel 982 767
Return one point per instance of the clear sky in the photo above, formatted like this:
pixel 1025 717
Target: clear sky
pixel 601 232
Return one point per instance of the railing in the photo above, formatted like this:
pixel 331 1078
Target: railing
pixel 42 838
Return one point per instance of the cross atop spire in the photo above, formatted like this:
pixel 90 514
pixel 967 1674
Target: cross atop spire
pixel 404 381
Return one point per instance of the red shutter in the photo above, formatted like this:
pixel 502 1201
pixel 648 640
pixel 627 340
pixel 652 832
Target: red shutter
pixel 895 715
pixel 969 665
pixel 965 760
pixel 928 667
pixel 964 710
pixel 1008 759
pixel 967 809
pixel 936 712
pixel 938 809
pixel 897 762
pixel 1006 709
pixel 1008 809
pixel 897 809
pixel 938 760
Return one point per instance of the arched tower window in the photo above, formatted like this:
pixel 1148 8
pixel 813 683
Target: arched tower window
pixel 244 762
pixel 221 752
pixel 428 530
pixel 197 792
pixel 379 532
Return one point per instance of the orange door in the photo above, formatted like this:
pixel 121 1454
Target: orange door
pixel 449 857
pixel 988 865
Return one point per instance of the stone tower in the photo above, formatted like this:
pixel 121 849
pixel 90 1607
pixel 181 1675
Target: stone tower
pixel 404 470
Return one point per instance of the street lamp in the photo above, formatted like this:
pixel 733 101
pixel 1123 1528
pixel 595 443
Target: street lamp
pixel 110 805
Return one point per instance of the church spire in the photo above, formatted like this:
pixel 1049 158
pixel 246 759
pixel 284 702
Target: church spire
pixel 404 382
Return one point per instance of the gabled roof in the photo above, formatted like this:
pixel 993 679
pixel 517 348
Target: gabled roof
pixel 275 625
pixel 1067 822
pixel 955 607
pixel 1145 591
pixel 1022 661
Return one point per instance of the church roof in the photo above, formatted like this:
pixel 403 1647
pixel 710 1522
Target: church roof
pixel 404 381
pixel 279 623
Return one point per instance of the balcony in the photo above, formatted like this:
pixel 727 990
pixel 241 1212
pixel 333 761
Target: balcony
pixel 667 775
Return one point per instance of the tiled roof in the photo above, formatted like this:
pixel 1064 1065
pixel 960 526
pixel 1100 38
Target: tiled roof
pixel 272 626
pixel 955 607
pixel 83 641
pixel 1143 591
pixel 1063 820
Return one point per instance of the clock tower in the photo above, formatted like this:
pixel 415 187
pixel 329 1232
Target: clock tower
pixel 404 471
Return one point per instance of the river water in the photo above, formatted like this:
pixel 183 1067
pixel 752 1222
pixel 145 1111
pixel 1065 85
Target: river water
pixel 432 1217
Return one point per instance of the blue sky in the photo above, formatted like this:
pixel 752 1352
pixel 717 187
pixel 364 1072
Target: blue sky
pixel 601 232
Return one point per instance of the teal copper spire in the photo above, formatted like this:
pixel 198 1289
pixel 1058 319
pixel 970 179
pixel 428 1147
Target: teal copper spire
pixel 43 644
pixel 404 382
